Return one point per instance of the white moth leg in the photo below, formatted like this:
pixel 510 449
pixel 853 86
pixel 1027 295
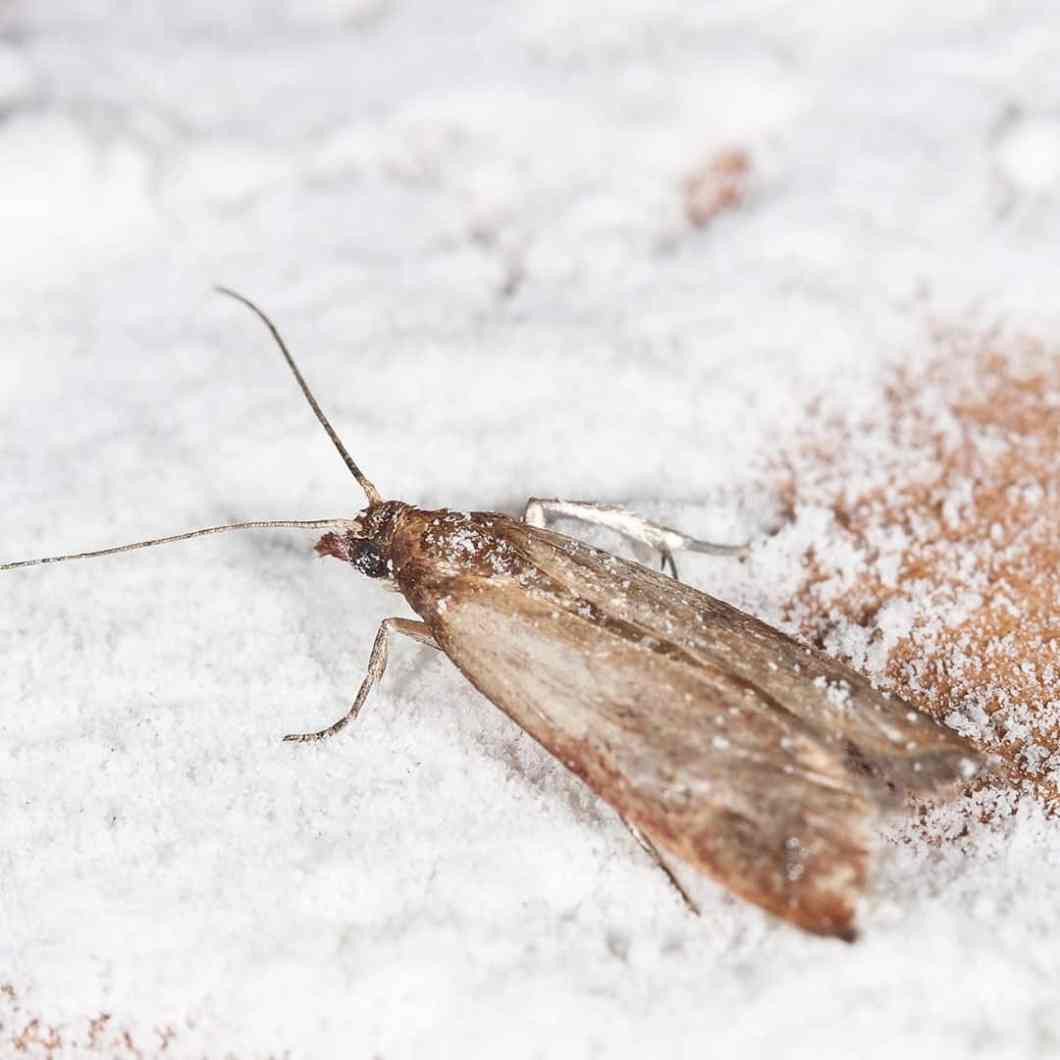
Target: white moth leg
pixel 649 848
pixel 376 669
pixel 663 539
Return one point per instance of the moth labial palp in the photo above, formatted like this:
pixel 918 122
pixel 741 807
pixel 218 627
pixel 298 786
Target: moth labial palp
pixel 625 675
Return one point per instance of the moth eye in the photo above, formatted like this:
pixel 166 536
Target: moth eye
pixel 367 558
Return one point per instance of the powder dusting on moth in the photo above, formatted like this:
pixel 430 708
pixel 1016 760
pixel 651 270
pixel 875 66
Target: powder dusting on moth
pixel 721 742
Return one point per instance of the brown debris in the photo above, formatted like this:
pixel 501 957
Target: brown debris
pixel 37 1040
pixel 720 184
pixel 27 1034
pixel 949 501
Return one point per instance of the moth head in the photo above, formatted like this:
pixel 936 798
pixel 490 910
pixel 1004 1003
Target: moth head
pixel 362 552
pixel 364 541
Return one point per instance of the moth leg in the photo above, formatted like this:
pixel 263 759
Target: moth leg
pixel 666 559
pixel 376 669
pixel 663 539
pixel 650 849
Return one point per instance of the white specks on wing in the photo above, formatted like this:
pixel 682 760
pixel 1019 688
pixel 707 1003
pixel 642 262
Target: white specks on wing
pixel 837 692
pixel 462 537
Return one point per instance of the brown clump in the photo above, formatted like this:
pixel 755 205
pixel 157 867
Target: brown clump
pixel 939 572
pixel 720 184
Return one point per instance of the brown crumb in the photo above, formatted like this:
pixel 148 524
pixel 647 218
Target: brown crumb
pixel 720 184
pixel 37 1040
pixel 97 1027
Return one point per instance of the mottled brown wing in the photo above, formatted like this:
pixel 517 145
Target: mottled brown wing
pixel 900 746
pixel 752 758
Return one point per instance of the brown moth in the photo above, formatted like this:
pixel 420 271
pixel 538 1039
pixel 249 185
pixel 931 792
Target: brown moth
pixel 719 740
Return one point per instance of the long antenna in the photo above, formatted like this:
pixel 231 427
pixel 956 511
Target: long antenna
pixel 371 492
pixel 304 523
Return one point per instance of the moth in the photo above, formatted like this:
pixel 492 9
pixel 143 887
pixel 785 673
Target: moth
pixel 721 742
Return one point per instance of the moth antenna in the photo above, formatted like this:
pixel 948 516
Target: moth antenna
pixel 371 492
pixel 315 524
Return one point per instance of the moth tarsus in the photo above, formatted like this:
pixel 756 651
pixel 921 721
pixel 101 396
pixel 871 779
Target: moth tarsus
pixel 719 740
pixel 667 560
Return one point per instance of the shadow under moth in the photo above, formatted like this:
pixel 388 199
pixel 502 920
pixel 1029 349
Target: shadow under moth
pixel 720 741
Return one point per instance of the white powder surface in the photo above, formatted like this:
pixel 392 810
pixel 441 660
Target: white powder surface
pixel 468 221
